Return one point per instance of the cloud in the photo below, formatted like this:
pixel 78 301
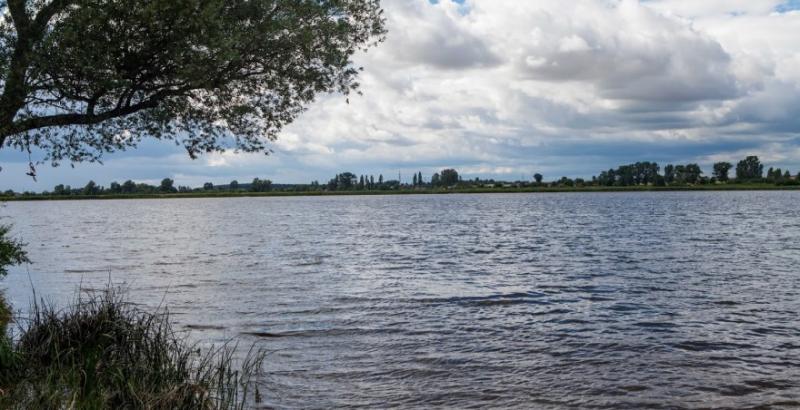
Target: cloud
pixel 436 35
pixel 499 88
pixel 625 51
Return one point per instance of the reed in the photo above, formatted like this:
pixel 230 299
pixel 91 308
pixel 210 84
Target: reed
pixel 104 352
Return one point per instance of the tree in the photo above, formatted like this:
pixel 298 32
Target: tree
pixel 115 188
pixel 82 77
pixel 687 174
pixel 721 171
pixel 419 178
pixel 59 190
pixel 148 189
pixel 692 173
pixel 167 185
pixel 778 176
pixel 449 177
pixel 436 180
pixel 208 186
pixel 414 180
pixel 234 185
pixel 128 187
pixel 607 178
pixel 91 188
pixel 538 178
pixel 346 180
pixel 261 185
pixel 669 174
pixel 749 169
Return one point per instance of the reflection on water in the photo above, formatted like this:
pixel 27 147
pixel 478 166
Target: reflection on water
pixel 549 300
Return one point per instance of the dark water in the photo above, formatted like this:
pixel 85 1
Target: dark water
pixel 533 301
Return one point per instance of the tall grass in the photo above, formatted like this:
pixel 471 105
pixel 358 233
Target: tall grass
pixel 6 350
pixel 102 352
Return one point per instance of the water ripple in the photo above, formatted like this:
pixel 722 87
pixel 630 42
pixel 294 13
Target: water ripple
pixel 600 301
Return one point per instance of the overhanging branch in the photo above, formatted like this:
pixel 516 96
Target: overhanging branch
pixel 89 118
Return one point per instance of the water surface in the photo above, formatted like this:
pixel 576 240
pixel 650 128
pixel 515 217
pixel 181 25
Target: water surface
pixel 597 300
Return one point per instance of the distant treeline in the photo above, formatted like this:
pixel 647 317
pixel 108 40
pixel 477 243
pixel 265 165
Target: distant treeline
pixel 747 171
pixel 167 186
pixel 347 181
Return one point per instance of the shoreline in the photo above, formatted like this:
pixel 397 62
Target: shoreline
pixel 535 190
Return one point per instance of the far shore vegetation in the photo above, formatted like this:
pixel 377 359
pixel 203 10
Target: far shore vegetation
pixel 748 174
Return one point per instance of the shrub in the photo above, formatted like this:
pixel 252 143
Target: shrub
pixel 11 251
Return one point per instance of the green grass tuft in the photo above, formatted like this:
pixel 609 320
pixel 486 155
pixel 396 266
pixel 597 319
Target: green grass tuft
pixel 104 353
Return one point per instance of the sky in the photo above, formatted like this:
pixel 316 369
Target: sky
pixel 507 88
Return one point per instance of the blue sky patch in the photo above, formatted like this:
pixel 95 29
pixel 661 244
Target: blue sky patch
pixel 790 5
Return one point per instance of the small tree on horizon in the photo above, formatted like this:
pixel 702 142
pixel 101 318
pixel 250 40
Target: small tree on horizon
pixel 91 188
pixel 167 185
pixel 721 170
pixel 260 185
pixel 436 179
pixel 749 169
pixel 449 177
pixel 669 174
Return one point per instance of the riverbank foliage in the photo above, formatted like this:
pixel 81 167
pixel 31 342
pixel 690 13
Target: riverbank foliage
pixel 645 176
pixel 12 251
pixel 103 352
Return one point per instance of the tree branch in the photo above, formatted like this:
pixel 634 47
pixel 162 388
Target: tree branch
pixel 79 119
pixel 89 118
pixel 19 15
pixel 47 12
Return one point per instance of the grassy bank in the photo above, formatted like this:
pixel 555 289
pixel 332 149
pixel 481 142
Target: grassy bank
pixel 102 352
pixel 228 194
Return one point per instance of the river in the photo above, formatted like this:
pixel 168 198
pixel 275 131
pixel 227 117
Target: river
pixel 591 300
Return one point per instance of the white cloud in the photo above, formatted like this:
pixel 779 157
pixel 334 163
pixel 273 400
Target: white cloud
pixel 500 87
pixel 587 70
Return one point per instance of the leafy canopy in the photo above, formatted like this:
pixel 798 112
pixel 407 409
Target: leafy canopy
pixel 79 78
